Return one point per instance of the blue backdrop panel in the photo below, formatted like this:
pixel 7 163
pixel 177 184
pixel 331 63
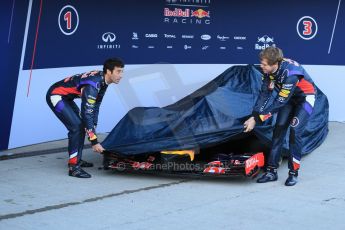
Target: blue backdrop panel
pixel 78 33
pixel 12 25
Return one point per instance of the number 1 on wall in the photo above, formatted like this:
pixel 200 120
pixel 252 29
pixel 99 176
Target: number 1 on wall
pixel 68 18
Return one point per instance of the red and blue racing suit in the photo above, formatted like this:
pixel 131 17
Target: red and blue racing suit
pixel 294 101
pixel 90 87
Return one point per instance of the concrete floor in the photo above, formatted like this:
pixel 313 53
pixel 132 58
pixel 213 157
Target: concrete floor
pixel 36 193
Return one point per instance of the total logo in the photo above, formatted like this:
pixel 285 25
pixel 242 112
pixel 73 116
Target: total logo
pixel 108 39
pixel 151 35
pixel 169 35
pixel 264 42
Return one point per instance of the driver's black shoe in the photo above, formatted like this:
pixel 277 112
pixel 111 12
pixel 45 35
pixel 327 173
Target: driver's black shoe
pixel 292 179
pixel 77 171
pixel 270 175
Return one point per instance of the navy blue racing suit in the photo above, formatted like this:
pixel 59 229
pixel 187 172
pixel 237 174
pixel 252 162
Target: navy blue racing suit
pixel 294 102
pixel 90 87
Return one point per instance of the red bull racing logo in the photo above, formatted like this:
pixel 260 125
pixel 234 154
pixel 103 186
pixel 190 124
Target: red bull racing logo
pixel 264 42
pixel 186 16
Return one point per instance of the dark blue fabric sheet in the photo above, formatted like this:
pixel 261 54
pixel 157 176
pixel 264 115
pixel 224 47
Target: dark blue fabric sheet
pixel 209 116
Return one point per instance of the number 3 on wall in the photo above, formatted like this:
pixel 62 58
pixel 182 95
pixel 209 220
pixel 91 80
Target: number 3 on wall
pixel 306 27
pixel 68 20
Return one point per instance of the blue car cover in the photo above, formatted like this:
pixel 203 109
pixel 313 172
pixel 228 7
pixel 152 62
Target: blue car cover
pixel 213 114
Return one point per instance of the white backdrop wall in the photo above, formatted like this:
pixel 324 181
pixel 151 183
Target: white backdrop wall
pixel 142 85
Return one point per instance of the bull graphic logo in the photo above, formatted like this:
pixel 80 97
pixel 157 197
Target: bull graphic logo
pixel 265 39
pixel 200 13
pixel 294 122
pixel 108 37
pixel 264 42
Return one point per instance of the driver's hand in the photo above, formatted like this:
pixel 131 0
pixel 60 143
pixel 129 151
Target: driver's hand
pixel 98 148
pixel 249 125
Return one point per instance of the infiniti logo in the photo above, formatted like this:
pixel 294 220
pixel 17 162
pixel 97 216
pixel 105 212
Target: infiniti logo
pixel 108 37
